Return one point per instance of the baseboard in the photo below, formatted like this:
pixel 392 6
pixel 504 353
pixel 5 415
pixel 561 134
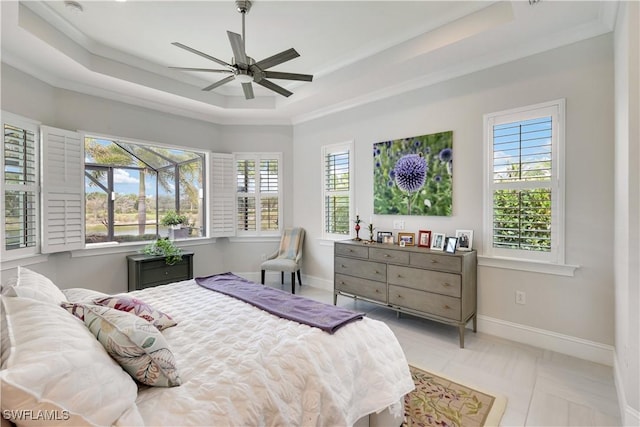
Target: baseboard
pixel 629 416
pixel 548 340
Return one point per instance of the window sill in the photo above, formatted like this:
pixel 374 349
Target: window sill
pixel 23 261
pixel 523 265
pixel 98 249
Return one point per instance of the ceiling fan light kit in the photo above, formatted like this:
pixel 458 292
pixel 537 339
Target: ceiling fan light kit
pixel 244 68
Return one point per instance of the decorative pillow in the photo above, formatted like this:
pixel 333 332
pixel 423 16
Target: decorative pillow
pixel 82 295
pixel 135 344
pixel 75 308
pixel 57 367
pixel 135 306
pixel 36 286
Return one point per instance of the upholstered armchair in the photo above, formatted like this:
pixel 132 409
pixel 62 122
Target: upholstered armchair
pixel 288 257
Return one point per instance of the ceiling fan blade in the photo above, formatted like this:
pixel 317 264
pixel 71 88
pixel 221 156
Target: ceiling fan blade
pixel 238 49
pixel 208 70
pixel 204 55
pixel 248 90
pixel 220 83
pixel 288 76
pixel 274 87
pixel 278 58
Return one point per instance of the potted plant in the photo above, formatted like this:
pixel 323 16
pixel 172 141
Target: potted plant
pixel 165 248
pixel 175 222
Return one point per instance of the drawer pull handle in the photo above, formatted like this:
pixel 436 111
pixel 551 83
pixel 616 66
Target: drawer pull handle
pixel 387 256
pixel 446 285
pixel 377 272
pixel 433 261
pixel 399 276
pixel 350 250
pixel 343 266
pixel 342 283
pixel 166 273
pixel 446 307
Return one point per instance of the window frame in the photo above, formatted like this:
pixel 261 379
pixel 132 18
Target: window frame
pixel 327 150
pixel 203 194
pixel 556 183
pixel 34 127
pixel 258 157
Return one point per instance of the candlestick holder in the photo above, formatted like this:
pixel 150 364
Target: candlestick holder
pixel 371 228
pixel 357 228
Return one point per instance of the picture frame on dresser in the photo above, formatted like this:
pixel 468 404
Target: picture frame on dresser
pixel 424 238
pixel 450 246
pixel 437 241
pixel 384 235
pixel 465 239
pixel 407 239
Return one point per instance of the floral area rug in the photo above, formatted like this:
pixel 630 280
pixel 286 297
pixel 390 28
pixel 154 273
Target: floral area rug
pixel 437 401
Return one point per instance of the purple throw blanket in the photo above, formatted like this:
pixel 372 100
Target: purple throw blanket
pixel 327 317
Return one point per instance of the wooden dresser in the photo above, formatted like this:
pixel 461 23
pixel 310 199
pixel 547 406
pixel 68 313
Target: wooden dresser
pixel 432 284
pixel 146 271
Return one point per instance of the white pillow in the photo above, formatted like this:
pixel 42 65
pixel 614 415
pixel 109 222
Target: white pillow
pixel 57 367
pixel 82 295
pixel 36 286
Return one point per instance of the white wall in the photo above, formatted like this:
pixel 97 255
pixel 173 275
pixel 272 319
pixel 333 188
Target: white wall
pixel 627 211
pixel 580 307
pixel 29 97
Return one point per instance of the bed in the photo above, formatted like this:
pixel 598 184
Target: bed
pixel 238 365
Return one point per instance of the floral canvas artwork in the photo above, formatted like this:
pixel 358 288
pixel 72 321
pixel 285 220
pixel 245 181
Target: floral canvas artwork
pixel 414 176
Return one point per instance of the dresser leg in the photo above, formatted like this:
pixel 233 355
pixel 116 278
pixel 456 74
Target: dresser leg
pixel 475 323
pixel 461 333
pixel 335 298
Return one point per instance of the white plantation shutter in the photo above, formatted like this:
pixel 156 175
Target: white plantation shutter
pixel 62 190
pixel 223 192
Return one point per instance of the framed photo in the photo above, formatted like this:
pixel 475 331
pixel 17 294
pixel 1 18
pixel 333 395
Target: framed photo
pixel 407 238
pixel 383 234
pixel 388 239
pixel 465 239
pixel 424 238
pixel 450 247
pixel 437 241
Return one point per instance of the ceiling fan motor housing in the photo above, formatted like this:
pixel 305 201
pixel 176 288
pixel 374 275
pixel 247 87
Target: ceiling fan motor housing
pixel 243 6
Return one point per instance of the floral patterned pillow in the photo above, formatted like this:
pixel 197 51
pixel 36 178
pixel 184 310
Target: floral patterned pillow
pixel 159 319
pixel 135 344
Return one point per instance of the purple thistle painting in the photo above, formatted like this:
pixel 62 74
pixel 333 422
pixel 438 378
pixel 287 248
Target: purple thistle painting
pixel 414 176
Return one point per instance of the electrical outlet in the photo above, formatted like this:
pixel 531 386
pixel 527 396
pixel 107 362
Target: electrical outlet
pixel 398 224
pixel 521 297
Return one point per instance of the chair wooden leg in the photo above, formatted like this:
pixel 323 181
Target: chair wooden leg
pixel 262 276
pixel 293 282
pixel 282 277
pixel 299 279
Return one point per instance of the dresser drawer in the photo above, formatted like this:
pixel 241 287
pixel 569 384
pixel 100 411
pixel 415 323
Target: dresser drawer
pixel 361 287
pixel 438 305
pixel 388 255
pixel 436 262
pixel 154 272
pixel 351 250
pixel 358 268
pixel 425 280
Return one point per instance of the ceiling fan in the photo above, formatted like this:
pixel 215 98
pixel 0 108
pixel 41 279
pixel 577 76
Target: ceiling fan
pixel 246 69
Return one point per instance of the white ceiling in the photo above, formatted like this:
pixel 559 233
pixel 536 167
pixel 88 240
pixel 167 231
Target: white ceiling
pixel 358 51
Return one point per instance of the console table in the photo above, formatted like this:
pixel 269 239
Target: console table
pixel 434 285
pixel 146 271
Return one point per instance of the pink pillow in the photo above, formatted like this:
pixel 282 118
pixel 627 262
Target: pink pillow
pixel 140 308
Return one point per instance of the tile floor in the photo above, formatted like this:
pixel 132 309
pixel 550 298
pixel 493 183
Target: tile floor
pixel 543 388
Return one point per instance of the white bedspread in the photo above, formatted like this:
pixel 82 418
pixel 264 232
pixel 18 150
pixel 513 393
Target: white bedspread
pixel 241 366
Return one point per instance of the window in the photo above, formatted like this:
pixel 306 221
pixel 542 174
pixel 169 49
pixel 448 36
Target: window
pixel 524 205
pixel 337 191
pixel 258 194
pixel 129 187
pixel 20 192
